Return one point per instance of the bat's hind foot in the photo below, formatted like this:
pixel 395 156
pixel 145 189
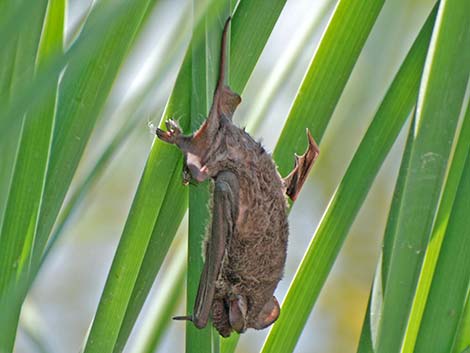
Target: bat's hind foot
pixel 294 181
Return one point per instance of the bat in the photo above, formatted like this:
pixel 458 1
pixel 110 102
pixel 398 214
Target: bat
pixel 245 252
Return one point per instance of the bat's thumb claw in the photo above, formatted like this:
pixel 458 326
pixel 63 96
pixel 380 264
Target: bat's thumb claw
pixel 166 136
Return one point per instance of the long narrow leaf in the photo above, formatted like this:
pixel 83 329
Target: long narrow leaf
pixel 462 342
pixel 160 193
pixel 326 77
pixel 448 293
pixel 439 230
pixel 164 304
pixel 163 172
pixel 8 143
pixel 204 70
pixel 83 91
pixel 134 104
pixel 447 68
pixel 283 68
pixel 348 199
pixel 368 339
pixel 251 28
pixel 24 197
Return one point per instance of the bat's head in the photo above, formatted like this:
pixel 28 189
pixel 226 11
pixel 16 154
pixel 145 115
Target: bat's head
pixel 239 321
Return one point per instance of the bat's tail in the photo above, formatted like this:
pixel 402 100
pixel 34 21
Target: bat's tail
pixel 198 323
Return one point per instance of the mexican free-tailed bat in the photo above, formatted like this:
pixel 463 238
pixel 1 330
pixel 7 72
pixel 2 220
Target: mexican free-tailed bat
pixel 245 253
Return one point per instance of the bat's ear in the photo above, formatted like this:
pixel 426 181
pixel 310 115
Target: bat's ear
pixel 227 102
pixel 268 314
pixel 237 313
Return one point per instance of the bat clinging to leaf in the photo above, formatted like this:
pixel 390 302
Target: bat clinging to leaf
pixel 246 250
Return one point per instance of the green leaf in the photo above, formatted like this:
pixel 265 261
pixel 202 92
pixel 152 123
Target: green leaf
pixel 157 210
pixel 204 74
pixel 368 337
pixel 348 198
pixel 162 175
pixel 365 339
pixel 449 289
pixel 251 28
pixel 84 187
pixel 25 193
pixel 17 64
pixel 438 233
pixel 8 143
pixel 228 345
pixel 164 304
pixel 326 77
pixel 83 91
pixel 121 135
pixel 446 70
pixel 285 64
pixel 462 342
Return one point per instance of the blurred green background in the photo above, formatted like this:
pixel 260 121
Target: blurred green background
pixel 61 305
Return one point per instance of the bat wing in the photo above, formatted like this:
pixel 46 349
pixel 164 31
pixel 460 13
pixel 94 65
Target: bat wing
pixel 297 177
pixel 224 216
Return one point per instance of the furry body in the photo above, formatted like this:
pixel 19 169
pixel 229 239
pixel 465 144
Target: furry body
pixel 254 261
pixel 246 250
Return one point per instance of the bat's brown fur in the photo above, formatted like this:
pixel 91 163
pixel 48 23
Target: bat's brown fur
pixel 254 253
pixel 255 256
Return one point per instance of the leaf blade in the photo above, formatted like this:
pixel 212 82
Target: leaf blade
pixel 347 200
pixel 28 176
pixel 443 312
pixel 438 235
pixel 326 77
pixel 446 69
pixel 84 89
pixel 162 172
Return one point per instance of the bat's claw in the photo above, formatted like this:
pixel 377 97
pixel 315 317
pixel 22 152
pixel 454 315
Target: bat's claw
pixel 173 127
pixel 173 131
